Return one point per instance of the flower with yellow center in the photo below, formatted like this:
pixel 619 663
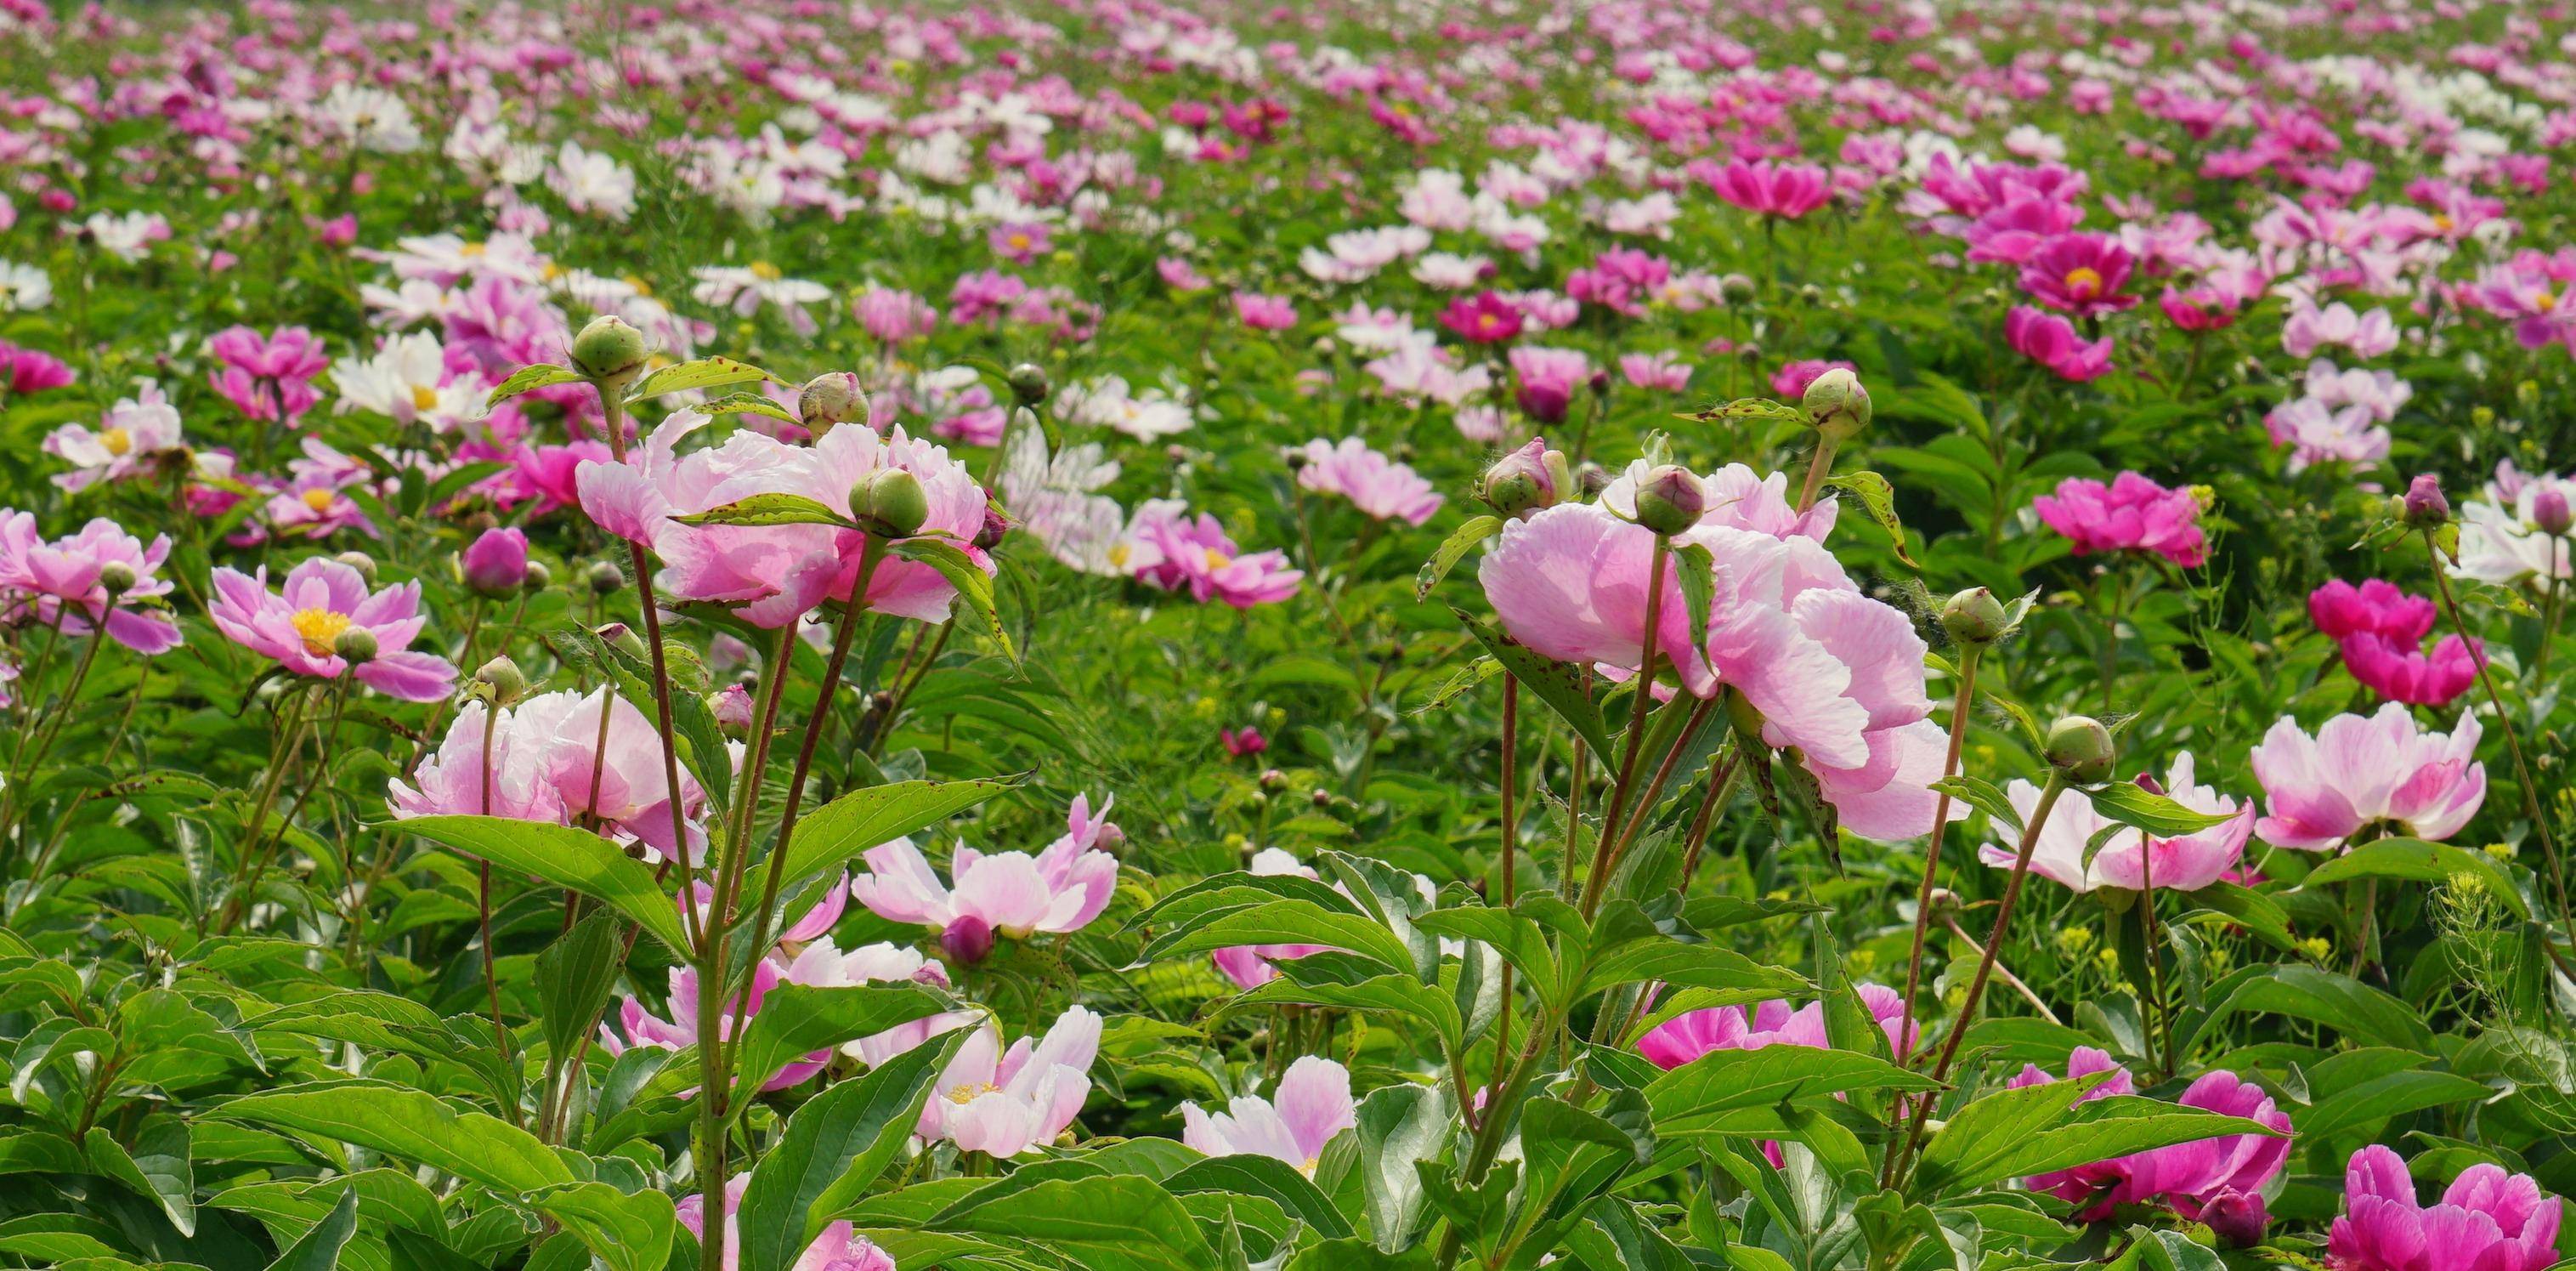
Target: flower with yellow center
pixel 967 1092
pixel 117 441
pixel 2544 300
pixel 319 500
pixel 424 398
pixel 764 271
pixel 2083 281
pixel 470 250
pixel 1217 560
pixel 319 628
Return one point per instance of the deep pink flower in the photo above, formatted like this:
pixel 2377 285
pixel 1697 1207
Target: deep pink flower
pixel 1239 742
pixel 2051 341
pixel 2130 514
pixel 893 316
pixel 496 563
pixel 1771 189
pixel 1171 550
pixel 2380 630
pixel 1791 380
pixel 1548 379
pixel 2199 308
pixel 2360 770
pixel 1264 313
pixel 24 371
pixel 2217 1180
pixel 2487 1220
pixel 1484 318
pixel 1688 1036
pixel 2080 273
pixel 319 600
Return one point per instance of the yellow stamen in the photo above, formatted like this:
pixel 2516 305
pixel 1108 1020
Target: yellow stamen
pixel 470 249
pixel 318 500
pixel 318 628
pixel 424 398
pixel 117 441
pixel 968 1092
pixel 1217 559
pixel 2084 280
pixel 2544 300
pixel 764 271
pixel 1019 242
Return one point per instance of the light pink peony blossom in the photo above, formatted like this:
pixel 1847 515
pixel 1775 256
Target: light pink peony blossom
pixel 1167 548
pixel 59 583
pixel 643 1029
pixel 2487 1220
pixel 1789 190
pixel 1060 889
pixel 1249 966
pixel 134 433
pixel 321 598
pixel 1377 485
pixel 1004 1102
pixel 2360 771
pixel 1688 1036
pixel 1311 1105
pixel 823 965
pixel 549 763
pixel 2185 863
pixel 839 1248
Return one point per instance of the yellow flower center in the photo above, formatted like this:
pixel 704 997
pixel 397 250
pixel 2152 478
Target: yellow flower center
pixel 764 271
pixel 424 398
pixel 2544 300
pixel 1217 559
pixel 552 271
pixel 968 1092
pixel 318 500
pixel 117 440
pixel 642 288
pixel 2442 221
pixel 1118 554
pixel 470 250
pixel 318 628
pixel 2083 280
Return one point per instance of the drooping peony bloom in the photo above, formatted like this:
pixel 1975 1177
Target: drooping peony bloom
pixel 302 622
pixel 839 1248
pixel 549 762
pixel 2050 340
pixel 643 1029
pixel 2380 630
pixel 2080 273
pixel 822 964
pixel 134 432
pixel 1377 485
pixel 62 583
pixel 1004 1102
pixel 2185 863
pixel 2361 771
pixel 1312 1104
pixel 2219 1181
pixel 1061 889
pixel 2487 1220
pixel 2130 514
pixel 1688 1036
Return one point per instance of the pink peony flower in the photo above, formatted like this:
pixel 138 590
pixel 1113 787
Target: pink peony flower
pixel 24 371
pixel 1788 190
pixel 2219 1181
pixel 2310 328
pixel 2131 514
pixel 268 378
pixel 2050 340
pixel 1664 371
pixel 1264 313
pixel 1061 889
pixel 496 562
pixel 2363 770
pixel 1377 485
pixel 1688 1036
pixel 135 431
pixel 2080 273
pixel 1169 550
pixel 643 1029
pixel 821 964
pixel 1791 380
pixel 59 583
pixel 300 624
pixel 1004 1102
pixel 1484 318
pixel 2487 1220
pixel 1249 966
pixel 1548 379
pixel 839 1248
pixel 2380 629
pixel 1239 742
pixel 1312 1104
pixel 2186 863
pixel 548 762
pixel 892 316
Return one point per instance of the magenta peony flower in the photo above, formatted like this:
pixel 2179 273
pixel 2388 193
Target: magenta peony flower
pixel 1788 190
pixel 1791 380
pixel 1548 379
pixel 496 563
pixel 2080 273
pixel 2362 770
pixel 2219 1181
pixel 2131 514
pixel 1311 1105
pixel 1485 318
pixel 24 371
pixel 1239 742
pixel 839 1248
pixel 1004 1102
pixel 301 623
pixel 2487 1220
pixel 1377 485
pixel 2380 629
pixel 1688 1036
pixel 2049 340
pixel 261 374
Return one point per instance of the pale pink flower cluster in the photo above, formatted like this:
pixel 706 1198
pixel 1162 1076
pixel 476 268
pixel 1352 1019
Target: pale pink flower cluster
pixel 2129 858
pixel 1375 484
pixel 546 760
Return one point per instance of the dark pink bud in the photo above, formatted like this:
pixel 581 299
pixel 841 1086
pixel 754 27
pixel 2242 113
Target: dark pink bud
pixel 2424 504
pixel 968 940
pixel 497 562
pixel 2549 511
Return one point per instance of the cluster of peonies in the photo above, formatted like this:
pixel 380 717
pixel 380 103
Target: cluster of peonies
pixel 2518 534
pixel 99 578
pixel 2487 1220
pixel 2131 514
pixel 2380 631
pixel 554 758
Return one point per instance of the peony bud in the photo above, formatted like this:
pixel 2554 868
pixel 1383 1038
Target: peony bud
pixel 2424 505
pixel 968 939
pixel 1974 617
pixel 1525 480
pixel 538 577
pixel 496 563
pixel 619 636
pixel 355 645
pixel 359 561
pixel 116 577
pixel 2549 511
pixel 1670 500
pixel 606 578
pixel 1837 404
pixel 502 681
pixel 2080 747
pixel 608 350
pixel 891 502
pixel 732 708
pixel 997 526
pixel 829 399
pixel 1029 383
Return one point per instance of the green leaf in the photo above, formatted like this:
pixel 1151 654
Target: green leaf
pixel 1696 570
pixel 567 857
pixel 711 372
pixel 2131 805
pixel 973 584
pixel 749 404
pixel 2418 861
pixel 2375 1101
pixel 318 1249
pixel 796 1020
pixel 1252 1175
pixel 528 378
pixel 1283 922
pixel 2339 1002
pixel 2014 1133
pixel 1476 530
pixel 831 835
pixel 772 509
pixel 158 1167
pixel 1555 683
pixel 1106 1222
pixel 834 1149
pixel 1399 1127
pixel 411 1124
pixel 630 1231
pixel 1739 1091
pixel 574 977
pixel 1878 499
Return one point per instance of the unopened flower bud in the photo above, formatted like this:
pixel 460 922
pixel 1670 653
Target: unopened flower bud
pixel 496 563
pixel 1974 617
pixel 116 577
pixel 2080 747
pixel 1297 460
pixel 997 526
pixel 1525 480
pixel 538 577
pixel 619 636
pixel 2549 511
pixel 967 940
pixel 829 399
pixel 731 707
pixel 355 645
pixel 1273 779
pixel 606 578
pixel 2147 781
pixel 1322 799
pixel 1836 404
pixel 359 561
pixel 1735 287
pixel 2424 505
pixel 1029 383
pixel 1592 478
pixel 1944 901
pixel 608 350
pixel 502 681
pixel 891 502
pixel 1670 500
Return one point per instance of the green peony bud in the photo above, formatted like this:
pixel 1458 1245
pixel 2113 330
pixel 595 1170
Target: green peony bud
pixel 1837 404
pixel 606 578
pixel 891 502
pixel 2080 747
pixel 1670 500
pixel 116 577
pixel 501 681
pixel 830 399
pixel 355 645
pixel 1974 617
pixel 609 350
pixel 1029 383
